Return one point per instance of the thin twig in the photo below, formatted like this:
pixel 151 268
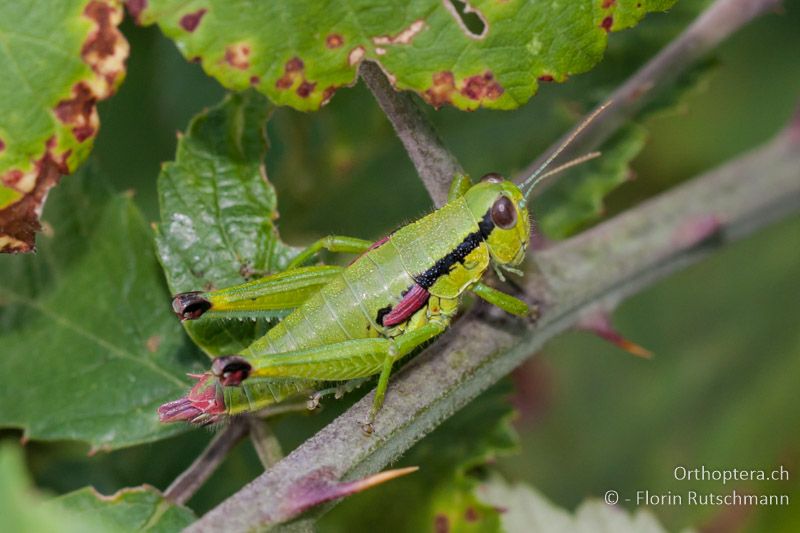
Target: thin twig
pixel 715 24
pixel 606 263
pixel 185 485
pixel 266 444
pixel 435 164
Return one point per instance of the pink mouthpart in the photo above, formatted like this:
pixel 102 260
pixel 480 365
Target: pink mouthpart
pixel 202 405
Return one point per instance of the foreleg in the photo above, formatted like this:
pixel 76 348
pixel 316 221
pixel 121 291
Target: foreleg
pixel 506 302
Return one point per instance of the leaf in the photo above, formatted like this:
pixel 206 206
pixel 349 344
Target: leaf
pixel 136 509
pixel 525 510
pixel 58 59
pixel 23 509
pixel 441 495
pixel 133 509
pixel 218 214
pixel 468 54
pixel 577 198
pixel 88 345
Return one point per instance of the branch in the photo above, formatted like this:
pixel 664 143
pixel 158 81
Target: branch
pixel 435 164
pixel 185 485
pixel 604 264
pixel 714 25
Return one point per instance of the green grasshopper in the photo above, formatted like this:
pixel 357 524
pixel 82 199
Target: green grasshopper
pixel 350 323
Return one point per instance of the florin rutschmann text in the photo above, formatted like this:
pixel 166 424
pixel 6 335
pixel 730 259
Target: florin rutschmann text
pixel 693 497
pixel 727 497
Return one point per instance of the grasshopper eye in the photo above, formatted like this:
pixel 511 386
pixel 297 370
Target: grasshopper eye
pixel 503 213
pixel 492 177
pixel 231 369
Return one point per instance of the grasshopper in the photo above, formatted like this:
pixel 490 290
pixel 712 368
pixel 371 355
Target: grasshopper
pixel 350 323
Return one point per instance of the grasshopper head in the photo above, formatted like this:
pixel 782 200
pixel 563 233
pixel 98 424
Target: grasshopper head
pixel 499 207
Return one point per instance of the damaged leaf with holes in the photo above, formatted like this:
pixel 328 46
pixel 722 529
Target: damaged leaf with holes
pixel 218 213
pixel 57 60
pixel 85 327
pixel 468 54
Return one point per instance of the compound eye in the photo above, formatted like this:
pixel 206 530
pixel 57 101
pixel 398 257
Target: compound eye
pixel 503 213
pixel 492 177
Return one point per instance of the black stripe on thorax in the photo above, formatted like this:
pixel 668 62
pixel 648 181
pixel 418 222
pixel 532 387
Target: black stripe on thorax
pixel 446 263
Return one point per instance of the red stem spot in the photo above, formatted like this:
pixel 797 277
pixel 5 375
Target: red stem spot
pixel 236 56
pixel 305 89
pixel 190 21
pixel 294 65
pixel 607 23
pixel 103 42
pixel 482 86
pixel 441 524
pixel 440 93
pixel 82 133
pixel 284 82
pixel 327 94
pixel 79 112
pixel 334 40
pixel 135 8
pixel 12 177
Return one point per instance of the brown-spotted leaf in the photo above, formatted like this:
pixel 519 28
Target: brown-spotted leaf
pixel 479 53
pixel 57 59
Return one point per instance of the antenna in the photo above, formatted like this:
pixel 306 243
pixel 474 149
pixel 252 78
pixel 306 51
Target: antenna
pixel 537 176
pixel 569 164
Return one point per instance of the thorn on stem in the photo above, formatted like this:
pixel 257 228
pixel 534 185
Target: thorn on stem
pixel 599 322
pixel 318 487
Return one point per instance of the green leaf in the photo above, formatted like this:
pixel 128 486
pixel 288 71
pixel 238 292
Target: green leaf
pixel 299 53
pixel 577 198
pixel 88 345
pixel 525 510
pixel 23 509
pixel 441 495
pixel 58 59
pixel 218 214
pixel 134 509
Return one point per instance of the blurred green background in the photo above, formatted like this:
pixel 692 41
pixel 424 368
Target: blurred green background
pixel 722 390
